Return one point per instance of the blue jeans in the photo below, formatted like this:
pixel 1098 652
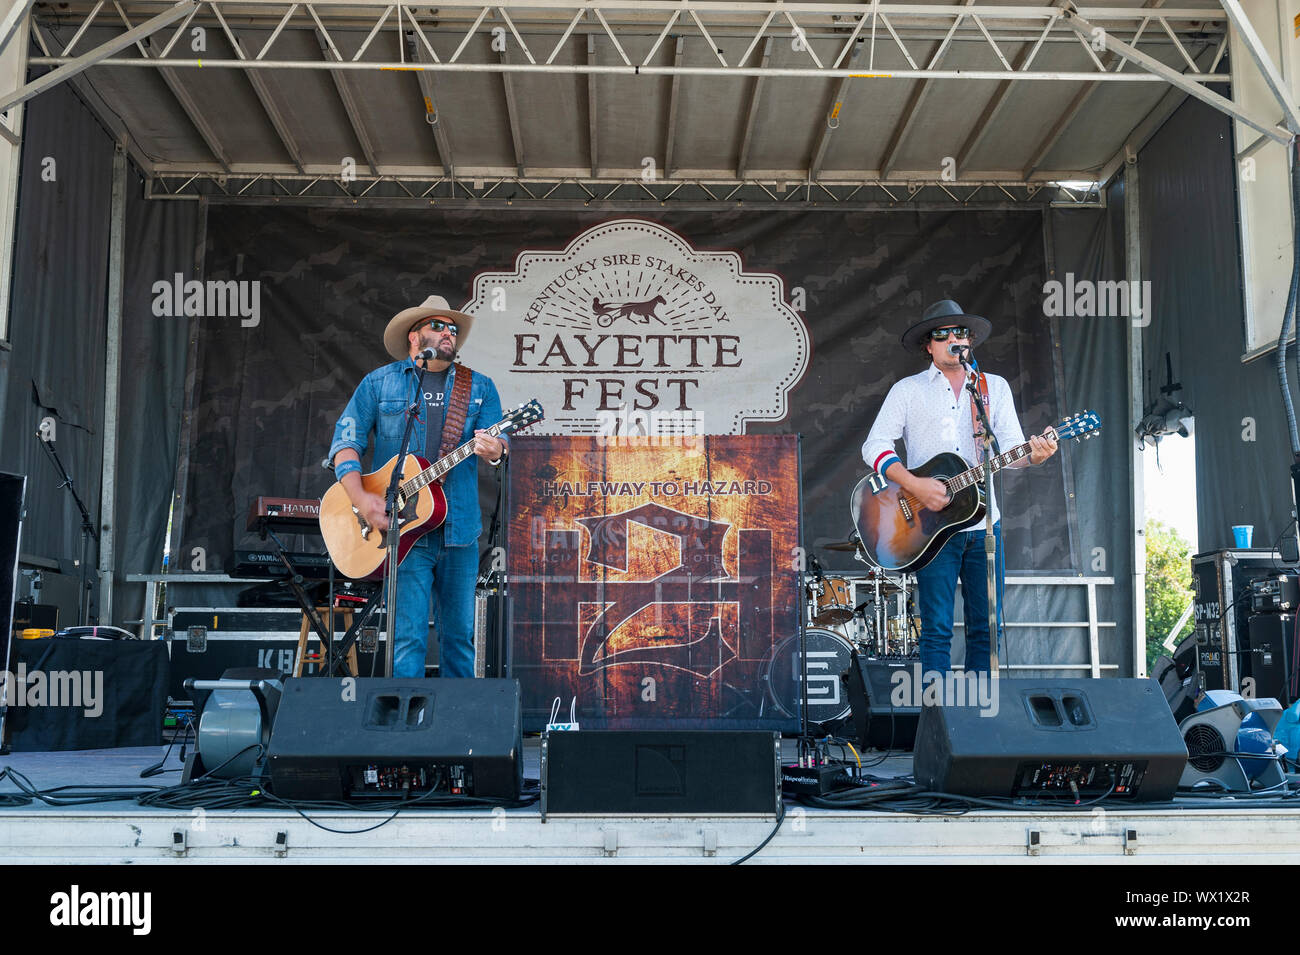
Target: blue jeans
pixel 449 573
pixel 963 556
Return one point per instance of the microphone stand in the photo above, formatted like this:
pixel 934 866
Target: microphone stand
pixel 990 542
pixel 393 510
pixel 88 532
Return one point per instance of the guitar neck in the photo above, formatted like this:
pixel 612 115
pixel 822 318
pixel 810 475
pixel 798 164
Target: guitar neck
pixel 974 475
pixel 440 467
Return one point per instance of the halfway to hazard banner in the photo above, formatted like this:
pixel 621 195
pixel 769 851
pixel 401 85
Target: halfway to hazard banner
pixel 653 579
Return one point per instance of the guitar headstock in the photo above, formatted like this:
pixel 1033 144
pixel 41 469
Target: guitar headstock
pixel 1079 426
pixel 524 416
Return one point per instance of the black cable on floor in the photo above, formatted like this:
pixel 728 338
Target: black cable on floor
pixel 78 795
pixel 780 818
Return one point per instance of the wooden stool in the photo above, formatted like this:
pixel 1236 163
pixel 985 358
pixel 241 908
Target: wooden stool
pixel 306 633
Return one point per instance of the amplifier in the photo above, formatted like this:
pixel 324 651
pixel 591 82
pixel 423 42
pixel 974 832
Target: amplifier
pixel 353 739
pixel 1222 608
pixel 678 771
pixel 33 615
pixel 13 492
pixel 1271 663
pixel 1074 738
pixel 1277 593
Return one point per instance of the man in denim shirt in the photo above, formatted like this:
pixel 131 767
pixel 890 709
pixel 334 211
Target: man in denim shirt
pixel 444 562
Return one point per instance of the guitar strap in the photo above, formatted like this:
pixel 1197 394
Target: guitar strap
pixel 457 410
pixel 977 426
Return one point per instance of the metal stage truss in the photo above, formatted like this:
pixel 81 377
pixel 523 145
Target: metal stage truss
pixel 658 101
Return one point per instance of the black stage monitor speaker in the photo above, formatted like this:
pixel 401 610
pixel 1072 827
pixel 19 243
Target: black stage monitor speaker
pixel 877 721
pixel 1049 734
pixel 681 771
pixel 356 738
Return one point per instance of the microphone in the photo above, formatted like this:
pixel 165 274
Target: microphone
pixel 960 351
pixel 429 354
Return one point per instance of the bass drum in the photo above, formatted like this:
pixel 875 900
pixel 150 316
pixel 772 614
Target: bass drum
pixel 829 655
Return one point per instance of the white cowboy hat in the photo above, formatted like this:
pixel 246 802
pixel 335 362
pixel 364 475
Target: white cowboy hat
pixel 435 306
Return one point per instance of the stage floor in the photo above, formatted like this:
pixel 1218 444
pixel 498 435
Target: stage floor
pixel 124 832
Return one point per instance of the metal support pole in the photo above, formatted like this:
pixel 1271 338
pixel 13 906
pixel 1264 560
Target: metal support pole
pixel 13 71
pixel 1137 496
pixel 112 386
pixel 1277 85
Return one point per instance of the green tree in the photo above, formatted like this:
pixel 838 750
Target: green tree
pixel 1169 585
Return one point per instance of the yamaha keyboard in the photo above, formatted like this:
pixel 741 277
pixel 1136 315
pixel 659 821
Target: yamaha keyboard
pixel 266 563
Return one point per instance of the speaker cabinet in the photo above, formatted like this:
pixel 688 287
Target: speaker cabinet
pixel 876 720
pixel 1272 659
pixel 681 771
pixel 358 738
pixel 1074 738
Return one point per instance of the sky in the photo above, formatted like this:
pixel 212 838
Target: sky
pixel 1171 495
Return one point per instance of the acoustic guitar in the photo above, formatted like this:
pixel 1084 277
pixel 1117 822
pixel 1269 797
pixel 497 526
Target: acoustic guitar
pixel 360 551
pixel 897 533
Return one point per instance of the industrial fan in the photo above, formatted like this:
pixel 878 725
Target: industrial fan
pixel 1229 742
pixel 235 715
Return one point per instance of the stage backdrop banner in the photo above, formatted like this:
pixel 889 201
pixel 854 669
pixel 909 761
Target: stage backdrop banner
pixel 654 578
pixel 631 330
pixel 772 322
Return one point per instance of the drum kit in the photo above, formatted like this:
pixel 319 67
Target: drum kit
pixel 870 613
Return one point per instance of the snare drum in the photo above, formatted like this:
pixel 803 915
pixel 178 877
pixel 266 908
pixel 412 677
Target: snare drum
pixel 829 655
pixel 834 601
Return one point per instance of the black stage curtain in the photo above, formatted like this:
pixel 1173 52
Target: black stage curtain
pixel 1089 243
pixel 58 336
pixel 58 318
pixel 1191 254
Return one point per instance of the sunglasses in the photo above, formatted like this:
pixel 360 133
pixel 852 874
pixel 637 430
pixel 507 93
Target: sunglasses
pixel 941 334
pixel 438 325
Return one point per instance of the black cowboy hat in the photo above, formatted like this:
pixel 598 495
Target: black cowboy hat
pixel 942 315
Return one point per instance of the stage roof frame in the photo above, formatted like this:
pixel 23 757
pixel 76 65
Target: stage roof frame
pixel 650 102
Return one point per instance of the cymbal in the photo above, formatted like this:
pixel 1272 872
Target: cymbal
pixel 848 545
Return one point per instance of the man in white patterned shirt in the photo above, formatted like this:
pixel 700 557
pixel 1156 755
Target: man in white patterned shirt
pixel 931 412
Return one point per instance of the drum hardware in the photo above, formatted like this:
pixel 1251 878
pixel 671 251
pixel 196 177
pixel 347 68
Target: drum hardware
pixel 848 546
